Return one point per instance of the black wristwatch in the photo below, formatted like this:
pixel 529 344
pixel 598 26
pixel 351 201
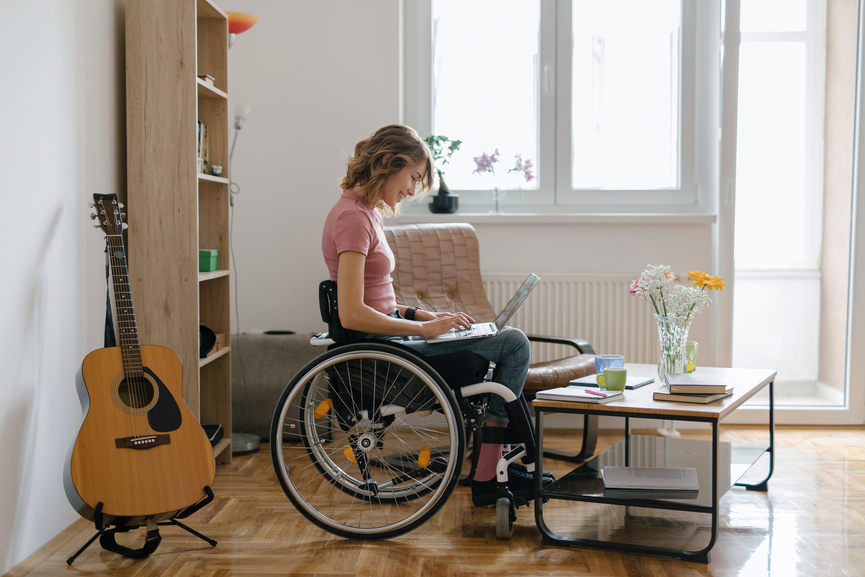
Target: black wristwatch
pixel 409 312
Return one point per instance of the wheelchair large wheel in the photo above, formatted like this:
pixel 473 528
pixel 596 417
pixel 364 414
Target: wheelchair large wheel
pixel 367 441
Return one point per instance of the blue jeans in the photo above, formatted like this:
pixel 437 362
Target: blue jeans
pixel 509 350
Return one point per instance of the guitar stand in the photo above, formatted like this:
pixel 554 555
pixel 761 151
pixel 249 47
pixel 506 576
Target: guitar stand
pixel 108 541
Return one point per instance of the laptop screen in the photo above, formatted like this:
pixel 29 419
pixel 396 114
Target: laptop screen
pixel 516 300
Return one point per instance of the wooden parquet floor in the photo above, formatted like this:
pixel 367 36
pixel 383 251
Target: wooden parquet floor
pixel 810 522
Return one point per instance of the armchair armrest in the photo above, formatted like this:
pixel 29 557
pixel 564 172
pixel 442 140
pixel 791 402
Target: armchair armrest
pixel 582 346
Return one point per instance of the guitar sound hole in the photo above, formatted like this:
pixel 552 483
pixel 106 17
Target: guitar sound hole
pixel 135 393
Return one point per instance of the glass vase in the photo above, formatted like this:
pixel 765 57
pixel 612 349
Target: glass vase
pixel 496 197
pixel 673 335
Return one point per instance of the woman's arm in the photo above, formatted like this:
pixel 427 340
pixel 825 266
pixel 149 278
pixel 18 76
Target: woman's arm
pixel 422 315
pixel 355 315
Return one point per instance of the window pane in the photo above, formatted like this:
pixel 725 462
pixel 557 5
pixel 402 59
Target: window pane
pixel 485 93
pixel 625 94
pixel 772 16
pixel 771 216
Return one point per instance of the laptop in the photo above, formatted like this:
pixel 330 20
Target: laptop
pixel 480 330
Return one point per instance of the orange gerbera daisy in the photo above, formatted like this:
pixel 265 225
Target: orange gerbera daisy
pixel 699 278
pixel 714 282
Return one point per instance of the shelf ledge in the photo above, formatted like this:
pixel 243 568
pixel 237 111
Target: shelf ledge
pixel 205 90
pixel 205 276
pixel 213 357
pixel 222 445
pixel 202 176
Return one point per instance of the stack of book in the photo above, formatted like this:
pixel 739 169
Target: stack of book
pixel 693 388
pixel 650 483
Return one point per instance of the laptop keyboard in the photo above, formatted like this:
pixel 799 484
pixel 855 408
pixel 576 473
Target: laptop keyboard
pixel 479 330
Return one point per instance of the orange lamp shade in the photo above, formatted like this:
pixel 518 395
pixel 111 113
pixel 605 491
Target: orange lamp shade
pixel 240 22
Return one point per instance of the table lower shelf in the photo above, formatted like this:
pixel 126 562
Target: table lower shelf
pixel 585 483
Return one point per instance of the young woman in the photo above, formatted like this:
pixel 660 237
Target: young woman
pixel 389 166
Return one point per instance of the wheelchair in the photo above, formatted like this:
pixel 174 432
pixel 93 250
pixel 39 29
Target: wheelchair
pixel 368 440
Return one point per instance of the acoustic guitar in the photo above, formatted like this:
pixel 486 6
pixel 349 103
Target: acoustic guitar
pixel 140 452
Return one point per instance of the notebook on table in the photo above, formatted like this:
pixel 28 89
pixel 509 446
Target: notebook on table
pixel 579 395
pixel 480 330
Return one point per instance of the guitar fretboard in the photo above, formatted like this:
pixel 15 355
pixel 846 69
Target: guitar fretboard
pixel 129 345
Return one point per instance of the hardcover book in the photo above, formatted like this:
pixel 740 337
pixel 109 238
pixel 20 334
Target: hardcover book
pixel 691 397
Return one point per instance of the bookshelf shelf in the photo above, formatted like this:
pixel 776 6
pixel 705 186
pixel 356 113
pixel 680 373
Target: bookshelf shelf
pixel 213 357
pixel 205 90
pixel 205 276
pixel 211 178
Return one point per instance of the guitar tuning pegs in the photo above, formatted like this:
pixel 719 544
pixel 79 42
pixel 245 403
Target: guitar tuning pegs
pixel 91 205
pixel 125 226
pixel 92 216
pixel 123 215
pixel 95 226
pixel 120 204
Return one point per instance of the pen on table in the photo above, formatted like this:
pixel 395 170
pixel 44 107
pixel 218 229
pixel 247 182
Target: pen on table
pixel 596 393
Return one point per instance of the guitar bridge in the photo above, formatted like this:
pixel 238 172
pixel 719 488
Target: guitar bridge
pixel 141 442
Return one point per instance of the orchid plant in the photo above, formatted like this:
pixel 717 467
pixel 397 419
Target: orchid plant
pixel 657 285
pixel 486 163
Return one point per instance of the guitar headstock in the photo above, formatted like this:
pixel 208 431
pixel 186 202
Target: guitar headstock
pixel 108 214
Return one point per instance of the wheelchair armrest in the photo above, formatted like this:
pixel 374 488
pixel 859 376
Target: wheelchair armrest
pixel 320 340
pixel 583 346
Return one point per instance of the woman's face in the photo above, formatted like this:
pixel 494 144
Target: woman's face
pixel 402 184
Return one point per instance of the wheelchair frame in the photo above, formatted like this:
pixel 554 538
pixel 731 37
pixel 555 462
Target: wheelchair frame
pixel 375 460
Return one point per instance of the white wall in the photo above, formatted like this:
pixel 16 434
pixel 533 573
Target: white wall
pixel 318 77
pixel 62 139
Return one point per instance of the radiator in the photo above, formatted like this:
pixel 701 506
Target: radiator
pixel 594 307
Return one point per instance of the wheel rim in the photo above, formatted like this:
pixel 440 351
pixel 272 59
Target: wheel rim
pixel 383 472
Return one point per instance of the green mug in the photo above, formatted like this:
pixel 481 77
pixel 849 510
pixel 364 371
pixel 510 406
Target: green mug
pixel 613 379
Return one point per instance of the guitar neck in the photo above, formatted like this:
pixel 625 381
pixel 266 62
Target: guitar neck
pixel 128 330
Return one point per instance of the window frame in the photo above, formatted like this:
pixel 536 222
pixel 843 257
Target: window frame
pixel 697 140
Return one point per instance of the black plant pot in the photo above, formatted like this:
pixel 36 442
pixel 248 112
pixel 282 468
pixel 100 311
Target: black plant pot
pixel 444 202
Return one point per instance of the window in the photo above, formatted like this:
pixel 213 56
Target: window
pixel 488 99
pixel 625 95
pixel 779 178
pixel 600 96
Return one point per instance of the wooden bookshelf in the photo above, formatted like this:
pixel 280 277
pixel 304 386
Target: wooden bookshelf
pixel 173 210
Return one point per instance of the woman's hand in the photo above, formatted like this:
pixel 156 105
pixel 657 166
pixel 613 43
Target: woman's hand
pixel 440 323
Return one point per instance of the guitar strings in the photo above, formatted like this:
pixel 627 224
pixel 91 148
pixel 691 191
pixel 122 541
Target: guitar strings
pixel 129 346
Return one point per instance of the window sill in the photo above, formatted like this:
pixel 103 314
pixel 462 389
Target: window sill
pixel 558 218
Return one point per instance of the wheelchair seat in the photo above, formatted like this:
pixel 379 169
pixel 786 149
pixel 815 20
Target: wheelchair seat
pixel 383 438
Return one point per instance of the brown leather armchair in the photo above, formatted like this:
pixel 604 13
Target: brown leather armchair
pixel 438 269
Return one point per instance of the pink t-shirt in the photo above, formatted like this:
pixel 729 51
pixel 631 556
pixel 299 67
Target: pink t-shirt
pixel 354 225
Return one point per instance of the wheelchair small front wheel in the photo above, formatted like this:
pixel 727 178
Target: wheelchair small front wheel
pixel 381 441
pixel 504 518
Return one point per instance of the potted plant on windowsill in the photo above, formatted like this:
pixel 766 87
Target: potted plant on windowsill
pixel 442 148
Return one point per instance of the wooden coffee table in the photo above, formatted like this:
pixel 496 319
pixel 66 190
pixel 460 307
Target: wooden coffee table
pixel 719 465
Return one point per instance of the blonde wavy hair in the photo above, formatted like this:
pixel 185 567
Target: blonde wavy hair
pixel 367 170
